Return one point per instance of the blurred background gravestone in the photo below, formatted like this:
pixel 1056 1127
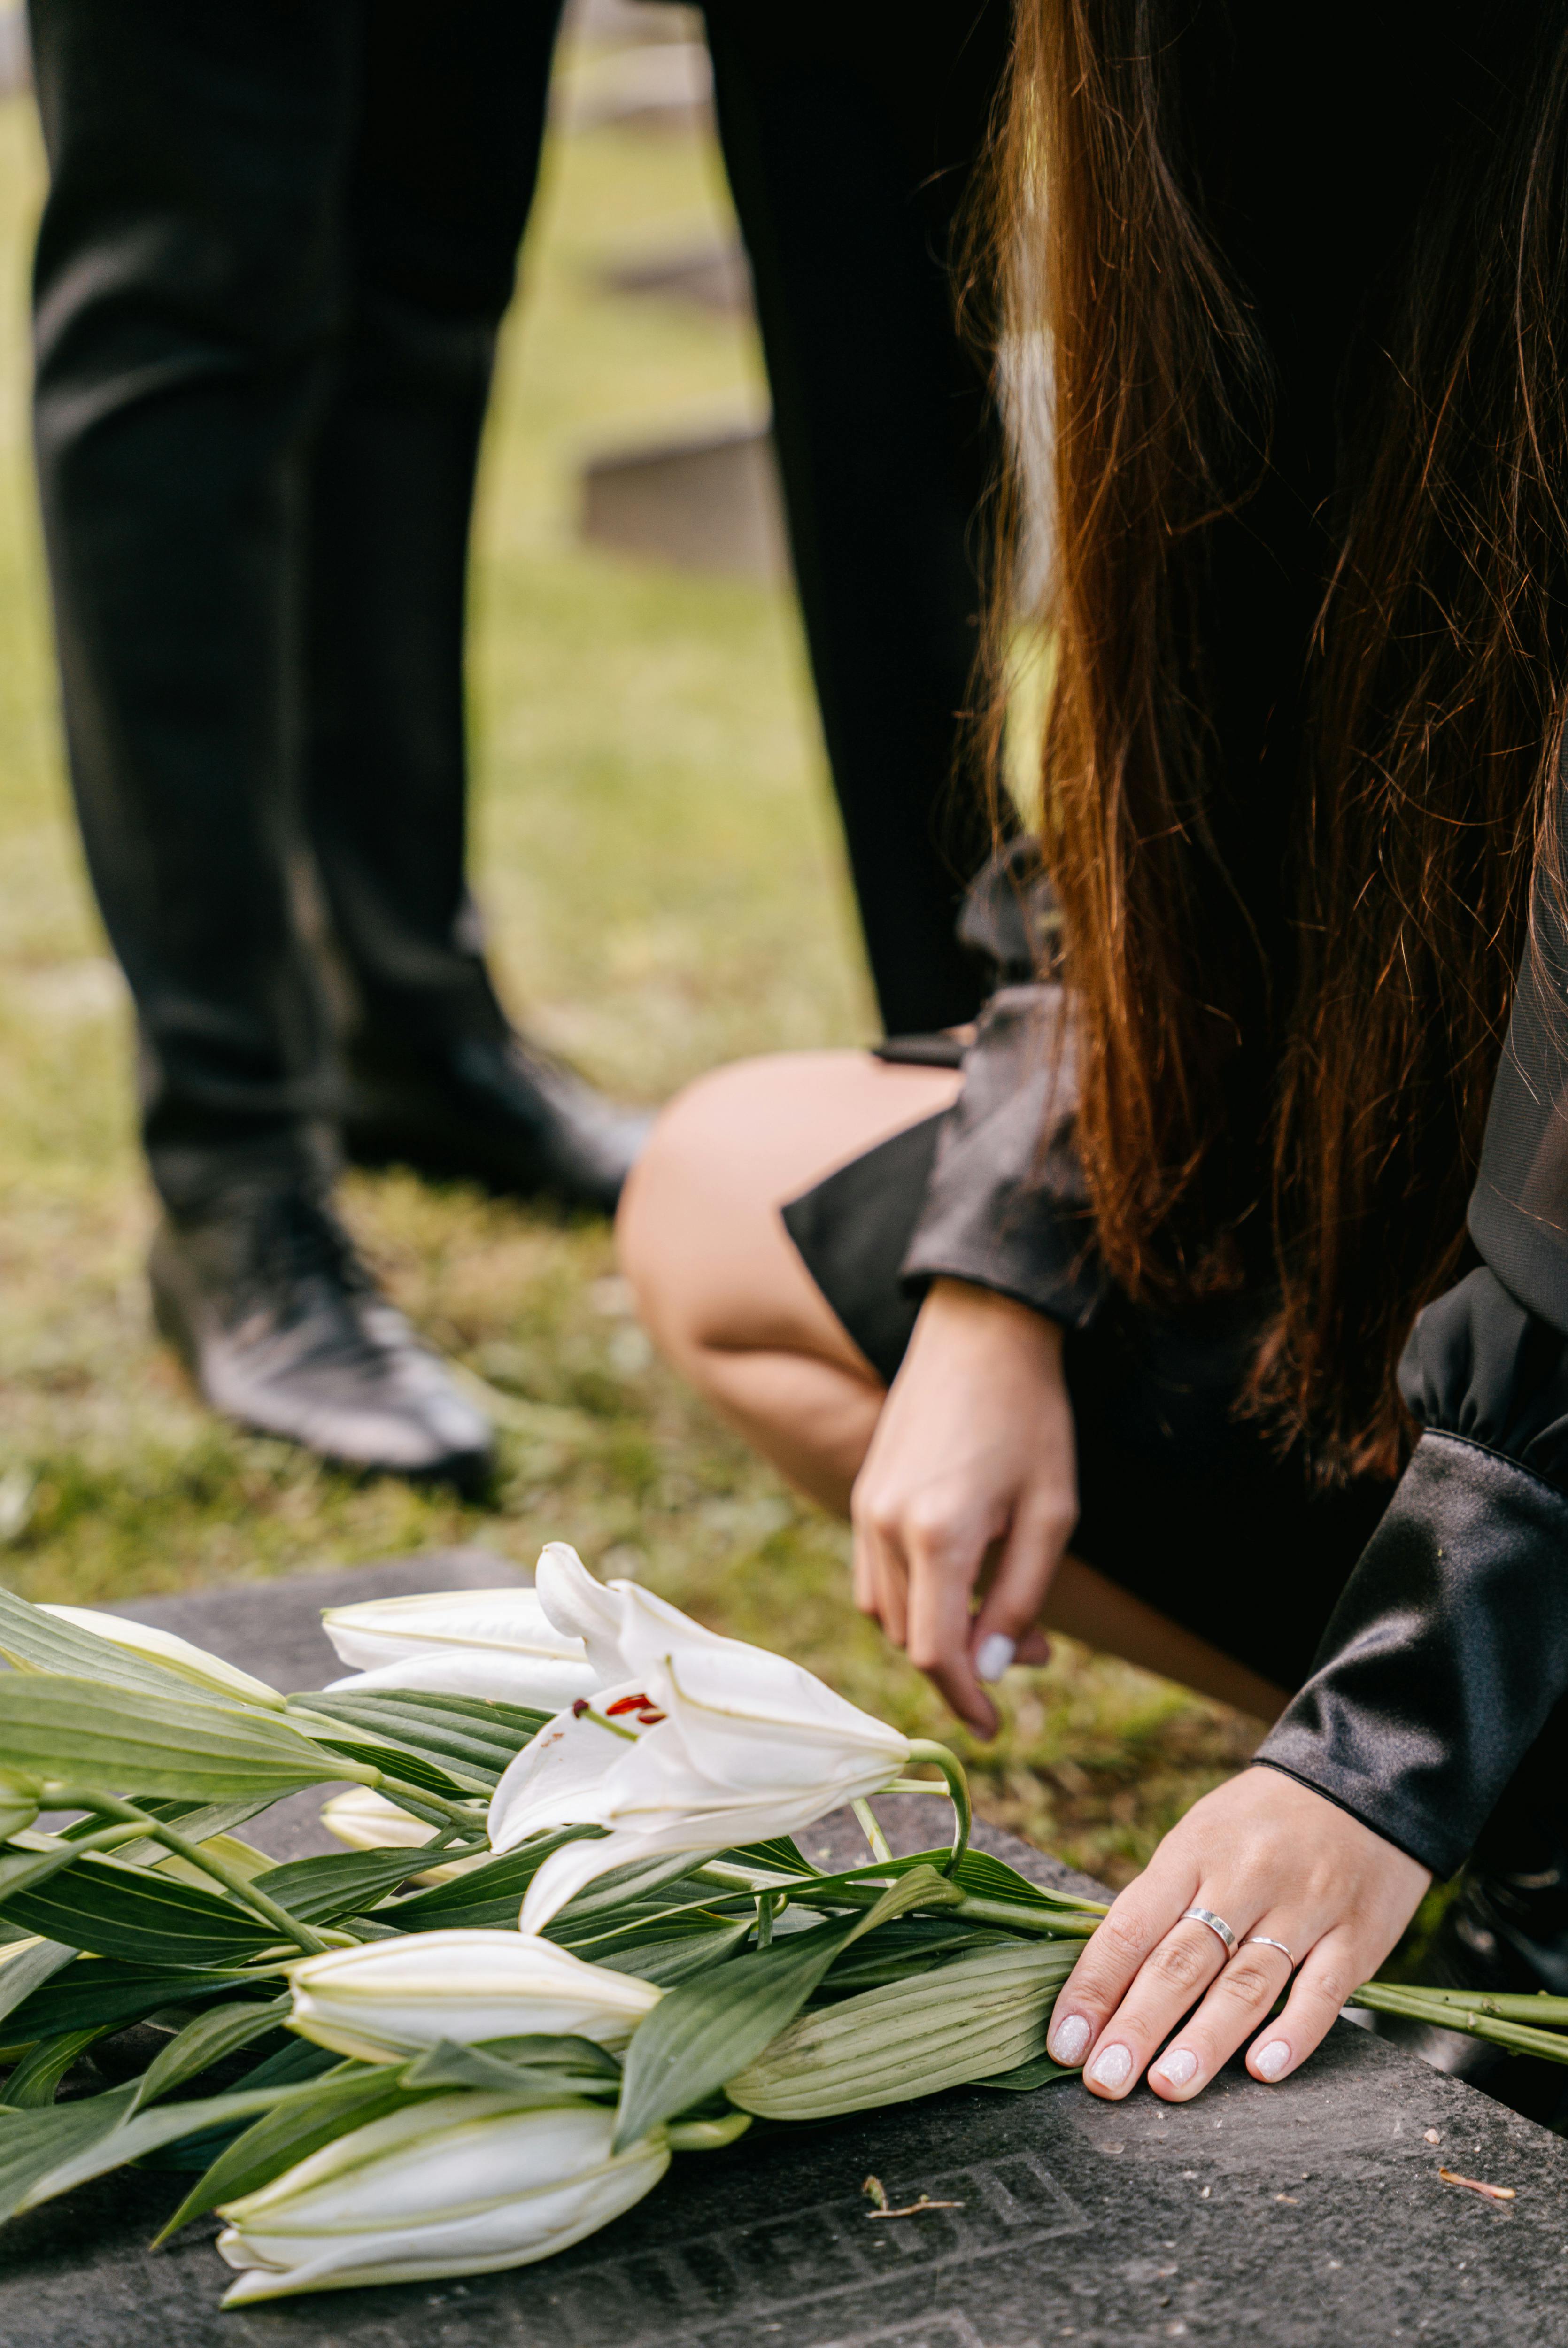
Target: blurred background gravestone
pixel 15 57
pixel 707 498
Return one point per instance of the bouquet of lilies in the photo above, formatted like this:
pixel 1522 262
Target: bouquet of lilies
pixel 572 1936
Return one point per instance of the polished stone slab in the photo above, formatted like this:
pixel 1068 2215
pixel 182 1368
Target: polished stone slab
pixel 1310 2215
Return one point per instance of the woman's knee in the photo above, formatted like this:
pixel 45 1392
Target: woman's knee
pixel 696 1205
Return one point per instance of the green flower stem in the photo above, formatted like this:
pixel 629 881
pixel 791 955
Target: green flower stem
pixel 1052 1923
pixel 304 1936
pixel 434 1808
pixel 872 1831
pixel 1499 2005
pixel 105 1838
pixel 1416 2005
pixel 952 1768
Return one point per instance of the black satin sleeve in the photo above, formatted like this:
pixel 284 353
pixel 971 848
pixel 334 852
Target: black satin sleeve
pixel 1449 1646
pixel 1005 1207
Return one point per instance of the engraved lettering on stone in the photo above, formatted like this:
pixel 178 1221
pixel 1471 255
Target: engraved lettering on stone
pixel 693 2291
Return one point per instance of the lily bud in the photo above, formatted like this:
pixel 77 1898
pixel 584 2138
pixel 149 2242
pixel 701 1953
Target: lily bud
pixel 178 1656
pixel 461 2184
pixel 479 1643
pixel 19 1805
pixel 712 1744
pixel 367 1820
pixel 387 2000
pixel 970 2020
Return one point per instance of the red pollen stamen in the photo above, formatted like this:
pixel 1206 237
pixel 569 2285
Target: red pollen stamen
pixel 627 1703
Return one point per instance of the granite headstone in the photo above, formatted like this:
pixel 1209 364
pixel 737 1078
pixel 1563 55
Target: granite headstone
pixel 1310 2215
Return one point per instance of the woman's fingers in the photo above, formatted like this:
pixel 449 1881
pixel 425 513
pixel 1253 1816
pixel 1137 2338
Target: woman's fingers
pixel 1333 1969
pixel 1239 2001
pixel 1133 1929
pixel 1172 1977
pixel 1042 1526
pixel 945 1558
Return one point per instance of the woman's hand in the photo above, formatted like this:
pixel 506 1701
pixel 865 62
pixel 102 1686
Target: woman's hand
pixel 973 1458
pixel 1279 1864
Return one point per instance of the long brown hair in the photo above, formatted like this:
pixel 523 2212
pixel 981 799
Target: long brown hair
pixel 1434 684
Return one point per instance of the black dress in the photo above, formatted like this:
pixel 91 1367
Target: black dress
pixel 1423 1623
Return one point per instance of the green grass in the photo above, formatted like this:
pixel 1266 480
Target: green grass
pixel 658 855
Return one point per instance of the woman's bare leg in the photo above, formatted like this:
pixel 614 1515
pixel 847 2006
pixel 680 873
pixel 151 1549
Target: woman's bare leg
pixel 719 1285
pixel 724 1295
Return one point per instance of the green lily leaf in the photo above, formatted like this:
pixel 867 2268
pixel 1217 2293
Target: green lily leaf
pixel 33 2142
pixel 319 1890
pixel 915 1944
pixel 555 2070
pixel 664 1962
pixel 102 1989
pixel 137 1914
pixel 781 1855
pixel 35 1641
pixel 446 1730
pixel 21 1870
pixel 80 1731
pixel 33 2084
pixel 26 1970
pixel 197 1822
pixel 126 2137
pixel 221 2030
pixel 400 1761
pixel 1040 2073
pixel 707 2030
pixel 490 1895
pixel 291 2133
pixel 992 1879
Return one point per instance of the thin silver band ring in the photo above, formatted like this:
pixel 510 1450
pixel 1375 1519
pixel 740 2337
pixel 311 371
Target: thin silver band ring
pixel 1217 1925
pixel 1264 1941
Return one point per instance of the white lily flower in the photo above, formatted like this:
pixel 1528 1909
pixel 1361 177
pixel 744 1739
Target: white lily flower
pixel 461 2184
pixel 176 1655
pixel 622 1626
pixel 387 2000
pixel 367 1820
pixel 482 1643
pixel 713 1742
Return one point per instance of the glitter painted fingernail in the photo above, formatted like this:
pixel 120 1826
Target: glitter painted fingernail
pixel 993 1655
pixel 1177 2067
pixel 1270 2060
pixel 1112 2069
pixel 1069 2040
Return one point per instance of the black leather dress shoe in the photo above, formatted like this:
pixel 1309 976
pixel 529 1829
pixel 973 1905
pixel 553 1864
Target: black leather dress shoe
pixel 489 1111
pixel 284 1329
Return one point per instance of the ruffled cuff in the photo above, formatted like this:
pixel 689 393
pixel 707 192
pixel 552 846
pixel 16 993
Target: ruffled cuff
pixel 1006 1208
pixel 1444 1656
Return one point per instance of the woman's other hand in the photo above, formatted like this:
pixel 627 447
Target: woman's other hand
pixel 973 1458
pixel 1279 1864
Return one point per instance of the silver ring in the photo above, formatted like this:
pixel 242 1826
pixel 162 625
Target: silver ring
pixel 1217 1925
pixel 1264 1941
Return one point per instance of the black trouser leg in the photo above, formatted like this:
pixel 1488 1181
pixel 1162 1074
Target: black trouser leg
pixel 851 134
pixel 440 181
pixel 188 302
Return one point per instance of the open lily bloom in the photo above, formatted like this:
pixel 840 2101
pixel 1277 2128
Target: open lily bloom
pixel 461 2184
pixel 388 1999
pixel 713 1743
pixel 482 1643
pixel 622 1626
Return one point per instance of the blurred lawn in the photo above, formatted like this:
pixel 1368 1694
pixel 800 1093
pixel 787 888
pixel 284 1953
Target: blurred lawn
pixel 657 857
